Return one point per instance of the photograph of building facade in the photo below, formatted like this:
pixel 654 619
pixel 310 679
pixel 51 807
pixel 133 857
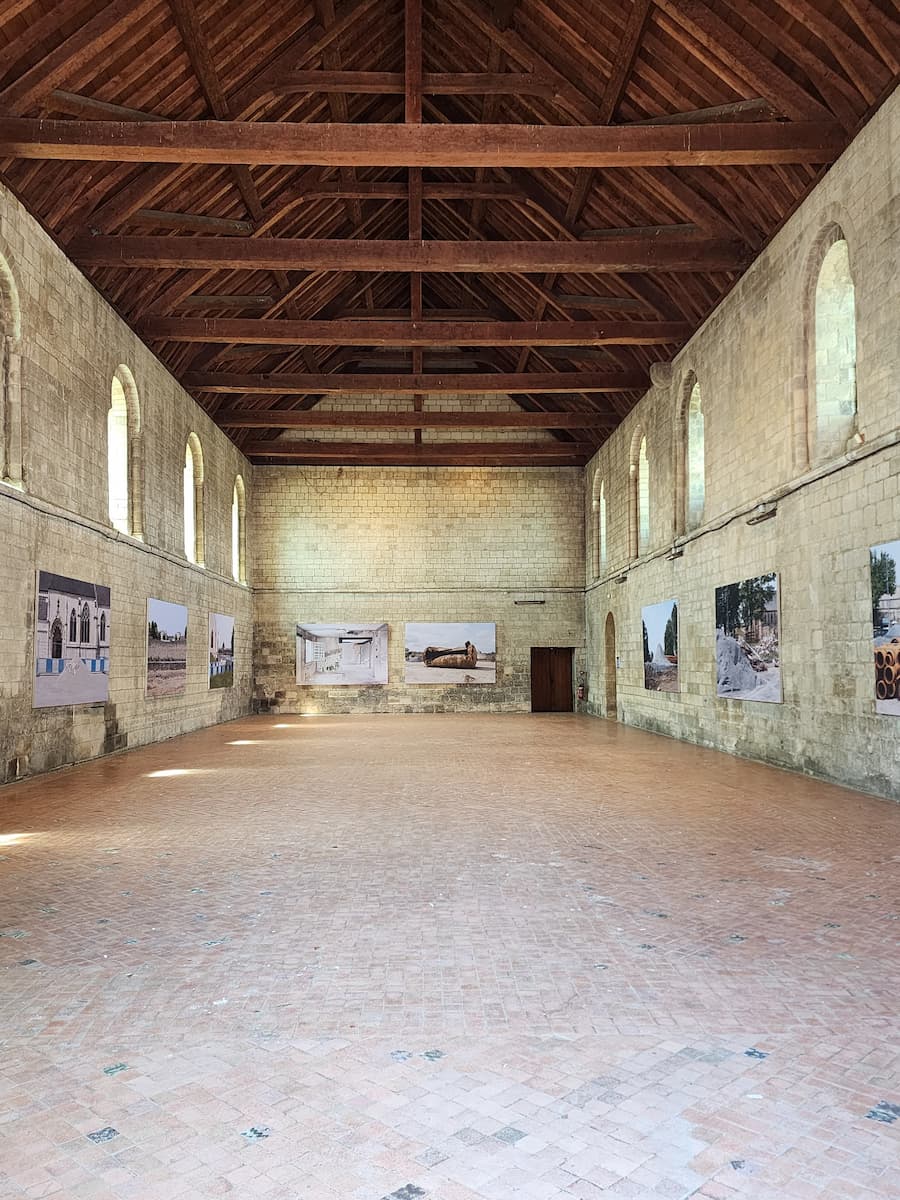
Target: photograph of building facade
pixel 516 385
pixel 329 655
pixel 72 635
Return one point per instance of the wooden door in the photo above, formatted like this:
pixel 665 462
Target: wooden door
pixel 611 667
pixel 551 679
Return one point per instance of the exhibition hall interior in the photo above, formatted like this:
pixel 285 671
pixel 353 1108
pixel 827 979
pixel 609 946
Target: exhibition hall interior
pixel 450 666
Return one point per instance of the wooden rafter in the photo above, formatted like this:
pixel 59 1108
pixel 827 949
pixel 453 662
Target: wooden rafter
pixel 408 385
pixel 321 254
pixel 413 333
pixel 246 143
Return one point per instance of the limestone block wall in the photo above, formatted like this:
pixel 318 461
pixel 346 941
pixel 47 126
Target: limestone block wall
pixel 751 360
pixel 369 544
pixel 62 346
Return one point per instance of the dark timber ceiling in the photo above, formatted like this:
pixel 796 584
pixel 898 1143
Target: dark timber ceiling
pixel 532 198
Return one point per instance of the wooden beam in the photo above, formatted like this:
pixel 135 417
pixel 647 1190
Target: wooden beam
pixel 323 254
pixel 392 83
pixel 317 418
pixel 98 110
pixel 198 221
pixel 80 48
pixel 414 145
pixel 364 190
pixel 415 332
pixel 223 383
pixel 609 303
pixel 199 301
pixel 598 235
pixel 622 65
pixel 737 110
pixel 476 453
pixel 704 27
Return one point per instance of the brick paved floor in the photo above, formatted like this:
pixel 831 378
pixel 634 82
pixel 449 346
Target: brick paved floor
pixel 462 958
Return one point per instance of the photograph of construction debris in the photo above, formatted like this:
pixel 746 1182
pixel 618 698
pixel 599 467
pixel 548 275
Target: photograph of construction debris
pixel 454 652
pixel 884 567
pixel 328 655
pixel 748 663
pixel 659 632
pixel 166 648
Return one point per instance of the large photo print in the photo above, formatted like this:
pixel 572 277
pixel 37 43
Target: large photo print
pixel 748 661
pixel 454 652
pixel 221 651
pixel 166 648
pixel 659 633
pixel 71 644
pixel 884 568
pixel 342 654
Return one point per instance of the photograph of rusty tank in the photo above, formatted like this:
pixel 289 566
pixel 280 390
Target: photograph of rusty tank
pixel 456 652
pixel 884 568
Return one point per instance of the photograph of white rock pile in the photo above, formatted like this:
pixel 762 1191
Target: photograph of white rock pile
pixel 748 663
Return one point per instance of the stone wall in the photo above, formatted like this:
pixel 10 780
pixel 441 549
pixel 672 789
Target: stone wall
pixel 62 345
pixel 752 361
pixel 369 544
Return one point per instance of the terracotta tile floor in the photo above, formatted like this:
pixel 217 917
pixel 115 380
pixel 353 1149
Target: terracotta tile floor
pixel 463 958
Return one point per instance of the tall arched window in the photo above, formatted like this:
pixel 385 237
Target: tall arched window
pixel 601 527
pixel 117 458
pixel 238 554
pixel 103 627
pixel 696 464
pixel 643 498
pixel 56 639
pixel 85 625
pixel 10 391
pixel 193 500
pixel 123 446
pixel 598 508
pixel 833 352
pixel 73 629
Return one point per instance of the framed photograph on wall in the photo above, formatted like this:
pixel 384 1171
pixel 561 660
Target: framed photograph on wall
pixel 221 651
pixel 330 655
pixel 884 572
pixel 748 655
pixel 166 648
pixel 71 641
pixel 456 652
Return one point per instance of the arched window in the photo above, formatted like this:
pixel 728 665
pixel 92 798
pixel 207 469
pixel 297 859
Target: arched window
pixel 193 500
pixel 123 448
pixel 643 498
pixel 10 390
pixel 117 458
pixel 601 527
pixel 73 629
pixel 238 508
pixel 85 625
pixel 833 350
pixel 639 495
pixel 56 639
pixel 102 628
pixel 696 466
pixel 598 507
